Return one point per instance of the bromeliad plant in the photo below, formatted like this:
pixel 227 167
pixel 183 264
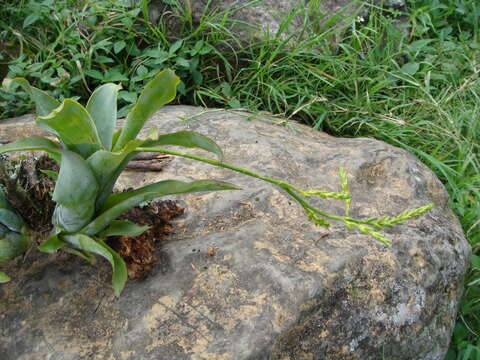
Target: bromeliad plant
pixel 92 156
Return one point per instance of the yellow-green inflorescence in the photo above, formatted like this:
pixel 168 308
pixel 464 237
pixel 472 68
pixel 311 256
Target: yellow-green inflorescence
pixel 319 217
pixel 365 226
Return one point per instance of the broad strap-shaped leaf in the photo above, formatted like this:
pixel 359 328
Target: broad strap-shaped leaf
pixel 97 246
pixel 81 253
pixel 76 180
pixel 44 103
pixel 52 244
pixel 123 227
pixel 73 125
pixel 10 219
pixel 158 92
pixel 13 244
pixel 71 219
pixel 75 193
pixel 4 230
pixel 188 139
pixel 107 167
pixel 119 203
pixel 8 216
pixel 4 278
pixel 102 107
pixel 33 143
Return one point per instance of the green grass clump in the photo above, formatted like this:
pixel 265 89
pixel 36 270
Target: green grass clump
pixel 75 46
pixel 414 85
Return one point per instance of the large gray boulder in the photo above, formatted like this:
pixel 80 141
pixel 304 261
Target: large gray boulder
pixel 277 287
pixel 262 16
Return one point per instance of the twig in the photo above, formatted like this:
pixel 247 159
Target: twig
pixel 150 156
pixel 147 165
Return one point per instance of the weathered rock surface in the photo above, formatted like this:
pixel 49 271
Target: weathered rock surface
pixel 277 287
pixel 268 15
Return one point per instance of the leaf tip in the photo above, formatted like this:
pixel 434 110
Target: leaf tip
pixel 4 278
pixel 117 291
pixel 53 113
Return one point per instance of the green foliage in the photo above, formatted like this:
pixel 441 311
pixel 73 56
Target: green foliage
pixel 365 226
pixel 155 94
pixel 69 48
pixel 8 216
pixel 85 209
pixel 14 234
pixel 446 38
pixel 4 278
pixel 12 243
pixel 415 85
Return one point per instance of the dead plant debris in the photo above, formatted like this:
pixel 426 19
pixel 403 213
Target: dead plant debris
pixel 28 189
pixel 149 162
pixel 212 251
pixel 139 251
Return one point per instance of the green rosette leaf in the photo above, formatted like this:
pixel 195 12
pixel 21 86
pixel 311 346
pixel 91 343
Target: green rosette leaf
pixel 85 243
pixel 75 193
pixel 102 107
pixel 119 203
pixel 74 126
pixel 158 92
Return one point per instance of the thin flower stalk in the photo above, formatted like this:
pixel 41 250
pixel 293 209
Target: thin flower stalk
pixel 317 216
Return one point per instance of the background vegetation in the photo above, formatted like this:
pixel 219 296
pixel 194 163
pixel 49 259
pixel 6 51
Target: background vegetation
pixel 409 78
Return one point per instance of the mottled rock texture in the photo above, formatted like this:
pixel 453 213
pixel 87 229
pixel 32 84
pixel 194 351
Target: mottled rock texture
pixel 268 15
pixel 277 287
